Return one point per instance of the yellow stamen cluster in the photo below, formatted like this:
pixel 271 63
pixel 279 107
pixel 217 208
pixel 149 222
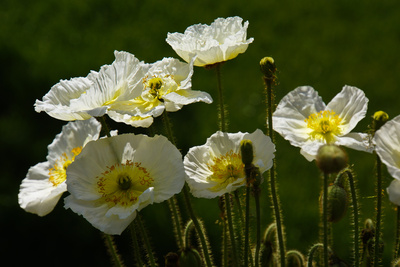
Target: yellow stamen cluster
pixel 58 173
pixel 226 169
pixel 122 184
pixel 325 126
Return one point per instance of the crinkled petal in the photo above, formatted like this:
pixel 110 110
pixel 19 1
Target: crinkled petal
pixel 351 104
pixel 57 102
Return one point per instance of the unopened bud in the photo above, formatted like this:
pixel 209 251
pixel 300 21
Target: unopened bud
pixel 190 257
pixel 378 119
pixel 337 203
pixel 331 159
pixel 295 259
pixel 246 148
pixel 171 260
pixel 268 67
pixel 267 252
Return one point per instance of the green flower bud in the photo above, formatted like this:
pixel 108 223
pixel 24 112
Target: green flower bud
pixel 379 119
pixel 190 257
pixel 331 159
pixel 246 148
pixel 337 203
pixel 268 68
pixel 267 250
pixel 172 260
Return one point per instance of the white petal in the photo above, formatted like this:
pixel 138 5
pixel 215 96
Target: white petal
pixel 394 192
pixel 357 141
pixel 57 101
pixel 387 141
pixel 37 194
pixel 96 215
pixel 351 106
pixel 135 121
pixel 291 112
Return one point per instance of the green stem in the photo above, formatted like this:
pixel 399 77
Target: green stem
pixel 231 229
pixel 325 218
pixel 146 240
pixel 197 226
pixel 397 247
pixel 246 228
pixel 378 210
pixel 176 220
pixel 273 186
pixel 355 218
pixel 223 125
pixel 104 125
pixel 258 229
pixel 135 244
pixel 112 250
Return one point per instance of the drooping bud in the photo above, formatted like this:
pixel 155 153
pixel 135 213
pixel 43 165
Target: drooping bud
pixel 331 159
pixel 172 260
pixel 337 202
pixel 378 119
pixel 267 251
pixel 268 67
pixel 295 259
pixel 246 149
pixel 190 257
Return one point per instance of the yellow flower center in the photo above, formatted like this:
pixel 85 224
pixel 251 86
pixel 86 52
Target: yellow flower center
pixel 325 126
pixel 122 184
pixel 58 173
pixel 226 169
pixel 155 85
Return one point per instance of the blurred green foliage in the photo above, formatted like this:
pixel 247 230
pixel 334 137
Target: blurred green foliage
pixel 325 44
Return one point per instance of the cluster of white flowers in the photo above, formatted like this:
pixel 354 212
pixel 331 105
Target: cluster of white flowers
pixel 110 179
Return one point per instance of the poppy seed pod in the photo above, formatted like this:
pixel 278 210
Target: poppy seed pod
pixel 331 159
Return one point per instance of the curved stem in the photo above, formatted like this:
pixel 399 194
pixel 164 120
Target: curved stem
pixel 378 210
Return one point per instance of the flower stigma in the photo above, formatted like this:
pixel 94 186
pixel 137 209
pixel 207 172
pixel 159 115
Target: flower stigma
pixel 155 85
pixel 58 173
pixel 122 184
pixel 325 126
pixel 226 169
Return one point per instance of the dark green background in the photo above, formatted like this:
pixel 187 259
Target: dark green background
pixel 325 44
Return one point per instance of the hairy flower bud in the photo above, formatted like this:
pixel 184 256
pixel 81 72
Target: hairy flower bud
pixel 337 203
pixel 171 260
pixel 246 149
pixel 331 159
pixel 268 67
pixel 190 257
pixel 378 119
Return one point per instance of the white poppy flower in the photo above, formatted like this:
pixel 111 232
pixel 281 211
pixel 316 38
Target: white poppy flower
pixel 165 86
pixel 305 121
pixel 387 146
pixel 394 192
pixel 45 182
pixel 114 178
pixel 216 168
pixel 223 40
pixel 99 93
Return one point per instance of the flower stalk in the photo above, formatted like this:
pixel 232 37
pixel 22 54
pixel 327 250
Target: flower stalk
pixel 268 68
